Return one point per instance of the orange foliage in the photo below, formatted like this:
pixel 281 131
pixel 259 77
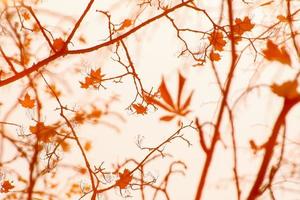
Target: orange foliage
pixel 94 79
pixel 273 53
pixel 124 179
pixel 6 186
pixel 58 44
pixel 43 133
pixel 179 108
pixel 139 108
pixel 287 89
pixel 27 102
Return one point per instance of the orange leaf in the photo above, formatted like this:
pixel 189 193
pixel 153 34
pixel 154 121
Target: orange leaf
pixel 273 53
pixel 242 26
pixel 165 94
pixel 126 23
pixel 93 79
pixel 217 40
pixel 179 109
pixel 167 118
pixel 282 18
pixel 26 15
pixel 58 44
pixel 6 186
pixel 150 99
pixel 214 56
pixel 96 75
pixel 140 109
pixel 181 82
pixel 88 146
pixel 35 27
pixel 287 89
pixel 186 104
pixel 125 179
pixel 43 133
pixel 27 102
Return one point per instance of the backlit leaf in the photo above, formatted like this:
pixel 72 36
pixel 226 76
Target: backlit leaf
pixel 216 39
pixel 124 179
pixel 273 53
pixel 287 89
pixel 27 102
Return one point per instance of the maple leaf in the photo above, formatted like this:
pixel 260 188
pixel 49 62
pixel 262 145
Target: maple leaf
pixel 64 145
pixel 87 146
pixel 53 90
pixel 126 23
pixel 95 113
pixel 27 102
pixel 214 56
pixel 216 39
pixel 273 53
pixel 93 79
pixel 139 108
pixel 125 179
pixel 242 26
pixel 6 186
pixel 282 18
pixel 43 133
pixel 58 44
pixel 168 104
pixel 287 89
pixel 80 117
pixel 26 16
pixel 35 27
